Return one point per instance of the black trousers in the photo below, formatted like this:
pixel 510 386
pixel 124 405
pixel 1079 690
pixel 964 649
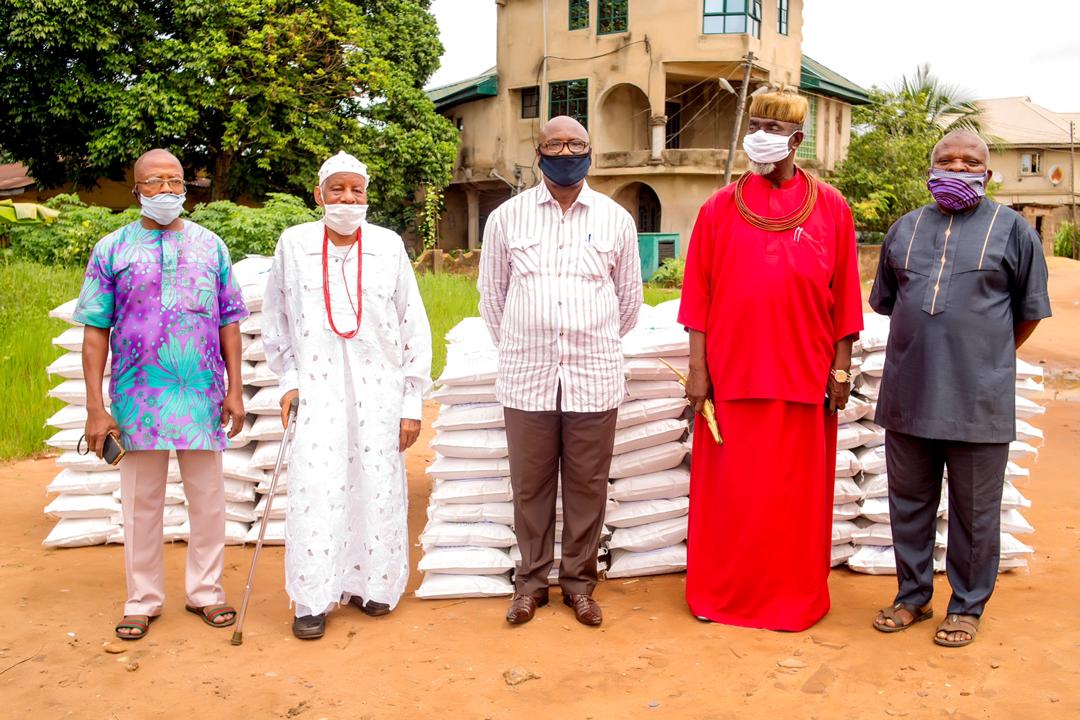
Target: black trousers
pixel 976 477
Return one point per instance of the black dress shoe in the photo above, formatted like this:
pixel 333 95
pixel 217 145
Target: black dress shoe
pixel 370 608
pixel 586 610
pixel 524 607
pixel 309 627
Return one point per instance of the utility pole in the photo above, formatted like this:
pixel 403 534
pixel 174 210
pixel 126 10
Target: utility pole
pixel 738 118
pixel 1072 191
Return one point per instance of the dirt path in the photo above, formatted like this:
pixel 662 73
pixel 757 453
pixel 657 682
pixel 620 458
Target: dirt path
pixel 650 658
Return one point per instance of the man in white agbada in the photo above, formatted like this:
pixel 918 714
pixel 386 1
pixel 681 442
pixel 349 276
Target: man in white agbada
pixel 345 330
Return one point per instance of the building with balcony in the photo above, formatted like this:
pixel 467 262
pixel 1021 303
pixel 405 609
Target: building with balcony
pixel 1031 158
pixel 656 82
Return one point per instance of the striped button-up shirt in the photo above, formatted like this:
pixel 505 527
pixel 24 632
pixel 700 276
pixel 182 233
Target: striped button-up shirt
pixel 558 291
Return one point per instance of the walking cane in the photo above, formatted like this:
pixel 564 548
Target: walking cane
pixel 286 441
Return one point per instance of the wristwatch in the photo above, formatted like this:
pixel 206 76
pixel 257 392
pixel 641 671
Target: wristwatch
pixel 841 376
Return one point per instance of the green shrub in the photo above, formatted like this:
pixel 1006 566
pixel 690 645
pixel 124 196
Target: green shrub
pixel 670 273
pixel 70 239
pixel 247 230
pixel 1068 235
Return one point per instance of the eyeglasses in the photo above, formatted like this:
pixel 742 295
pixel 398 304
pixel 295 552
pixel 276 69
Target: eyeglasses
pixel 554 147
pixel 156 183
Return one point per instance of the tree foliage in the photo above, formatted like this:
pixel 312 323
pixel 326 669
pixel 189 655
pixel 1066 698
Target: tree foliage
pixel 255 93
pixel 884 174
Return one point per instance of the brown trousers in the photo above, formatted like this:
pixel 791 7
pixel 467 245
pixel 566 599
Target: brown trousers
pixel 541 444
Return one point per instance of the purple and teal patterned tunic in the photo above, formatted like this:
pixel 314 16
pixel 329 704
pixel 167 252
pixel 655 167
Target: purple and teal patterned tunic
pixel 165 294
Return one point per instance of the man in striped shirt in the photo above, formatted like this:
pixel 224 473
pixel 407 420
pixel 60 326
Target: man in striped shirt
pixel 560 284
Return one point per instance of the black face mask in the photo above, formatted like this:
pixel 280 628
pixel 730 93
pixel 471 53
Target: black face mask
pixel 565 170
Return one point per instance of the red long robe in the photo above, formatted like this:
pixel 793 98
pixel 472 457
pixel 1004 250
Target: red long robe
pixel 772 306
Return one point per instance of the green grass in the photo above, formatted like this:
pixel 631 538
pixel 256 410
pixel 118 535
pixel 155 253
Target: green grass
pixel 27 292
pixel 654 294
pixel 448 299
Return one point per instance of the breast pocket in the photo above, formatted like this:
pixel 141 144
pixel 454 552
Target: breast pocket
pixel 525 255
pixel 597 257
pixel 196 288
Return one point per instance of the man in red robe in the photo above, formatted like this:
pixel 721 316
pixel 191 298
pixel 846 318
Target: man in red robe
pixel 772 303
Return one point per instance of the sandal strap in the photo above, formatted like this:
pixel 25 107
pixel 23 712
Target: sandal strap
pixel 213 612
pixel 892 613
pixel 133 625
pixel 960 623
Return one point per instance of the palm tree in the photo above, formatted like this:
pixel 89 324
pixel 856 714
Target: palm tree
pixel 947 106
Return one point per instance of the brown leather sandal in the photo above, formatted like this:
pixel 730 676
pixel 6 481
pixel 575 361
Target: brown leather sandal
pixel 211 613
pixel 957 623
pixel 918 614
pixel 131 622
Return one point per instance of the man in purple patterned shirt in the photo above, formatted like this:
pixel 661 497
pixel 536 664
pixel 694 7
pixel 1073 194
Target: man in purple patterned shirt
pixel 161 295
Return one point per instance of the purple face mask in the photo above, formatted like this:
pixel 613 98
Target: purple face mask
pixel 956 191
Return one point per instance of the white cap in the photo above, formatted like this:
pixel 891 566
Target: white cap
pixel 343 162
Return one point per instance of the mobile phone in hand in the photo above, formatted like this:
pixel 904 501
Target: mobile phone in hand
pixel 111 451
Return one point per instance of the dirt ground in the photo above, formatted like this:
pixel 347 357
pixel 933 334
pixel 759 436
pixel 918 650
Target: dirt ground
pixel 649 659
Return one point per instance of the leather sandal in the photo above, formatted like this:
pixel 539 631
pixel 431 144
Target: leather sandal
pixel 309 627
pixel 130 622
pixel 918 614
pixel 957 623
pixel 210 613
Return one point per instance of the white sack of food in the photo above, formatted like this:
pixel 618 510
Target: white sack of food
pixel 1025 409
pixel 1030 388
pixel 277 507
pixel 66 439
pixel 1025 432
pixel 282 486
pixel 652 389
pixel 1013 547
pixel 874 485
pixel 466 561
pixel 846 490
pixel 654 369
pixel 445 468
pixel 70 339
pixel 251 274
pixel 625 563
pixel 482 534
pixel 648 460
pixel 472 491
pixel 252 324
pixel 1012 521
pixel 265 456
pixel 843 531
pixel 74 393
pixel 240 439
pixel 243 512
pixel 872 460
pixel 267 427
pixel 847 511
pixel 69 365
pixel 640 512
pixel 657 432
pixel 266 401
pixel 852 435
pixel 666 342
pixel 238 464
pixel 275 533
pixel 239 490
pixel 650 536
pixel 652 486
pixel 876 509
pixel 470 366
pixel 847 464
pixel 79 532
pixel 1022 452
pixel 873 363
pixel 483 444
pixel 856 409
pixel 868 386
pixel 470 332
pixel 636 412
pixel 876 436
pixel 254 352
pixel 840 553
pixel 1014 472
pixel 75 482
pixel 470 416
pixel 875 333
pixel 1025 370
pixel 498 512
pixel 65 506
pixel 68 417
pixel 262 376
pixel 445 586
pixel 65 311
pixel 461 394
pixel 1013 499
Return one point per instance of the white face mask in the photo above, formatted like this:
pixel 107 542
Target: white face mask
pixel 162 208
pixel 762 147
pixel 344 219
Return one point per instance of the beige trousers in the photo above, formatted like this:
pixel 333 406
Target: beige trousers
pixel 143 475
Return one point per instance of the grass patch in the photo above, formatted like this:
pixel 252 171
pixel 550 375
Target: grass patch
pixel 655 294
pixel 448 299
pixel 28 291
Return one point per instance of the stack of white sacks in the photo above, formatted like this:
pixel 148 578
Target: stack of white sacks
pixel 87 504
pixel 469 544
pixel 861 533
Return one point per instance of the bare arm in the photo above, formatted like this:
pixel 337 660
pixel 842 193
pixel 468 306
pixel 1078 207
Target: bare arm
pixel 838 392
pixel 698 383
pixel 95 351
pixel 1023 331
pixel 232 409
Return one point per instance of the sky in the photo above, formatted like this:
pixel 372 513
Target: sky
pixel 989 48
